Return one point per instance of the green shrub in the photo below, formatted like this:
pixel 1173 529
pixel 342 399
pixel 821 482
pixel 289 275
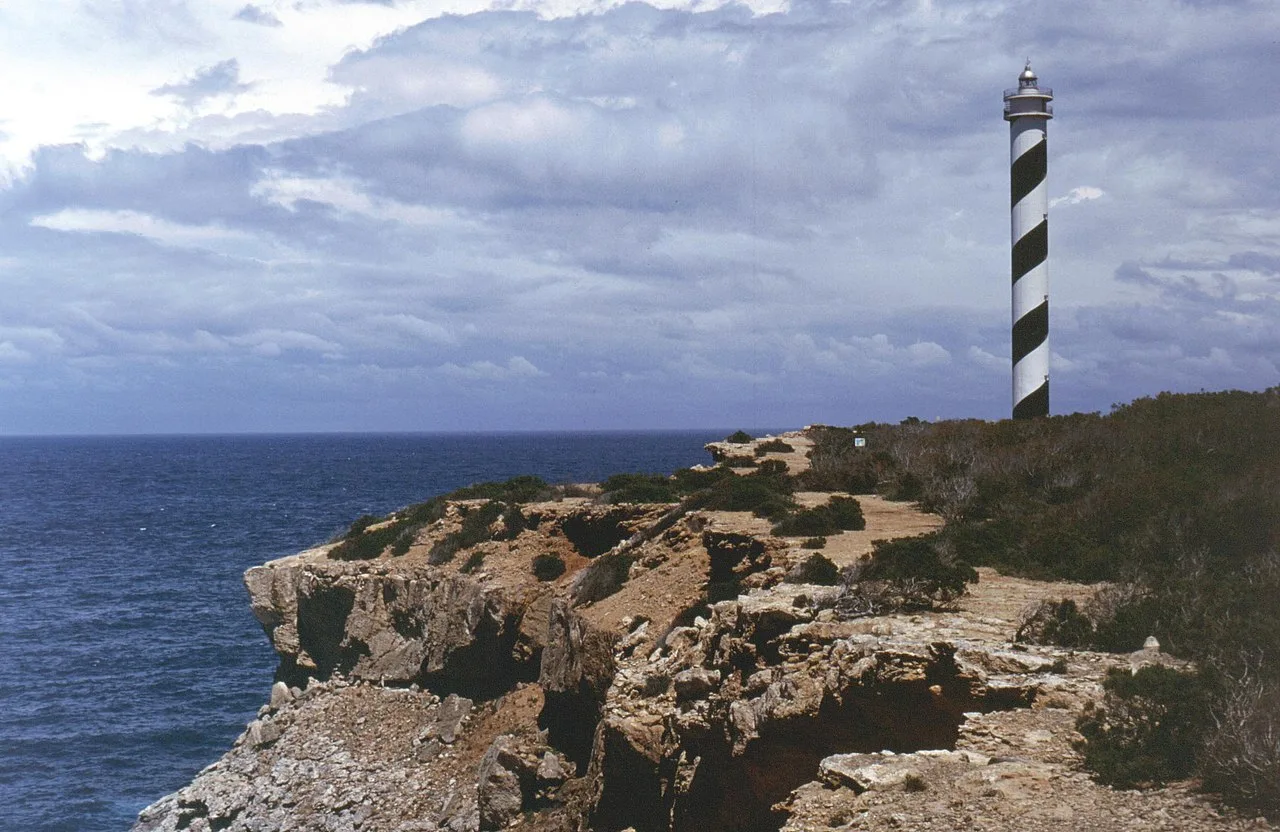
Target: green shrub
pixel 640 488
pixel 765 496
pixel 813 543
pixel 400 546
pixel 739 462
pixel 920 559
pixel 523 489
pixel 367 544
pixel 739 437
pixel 1058 623
pixel 776 470
pixel 815 569
pixel 836 515
pixel 360 524
pixel 1148 729
pixel 913 573
pixel 513 522
pixel 475 528
pixel 689 480
pixel 421 514
pixel 778 446
pixel 548 567
pixel 837 464
pixel 1240 757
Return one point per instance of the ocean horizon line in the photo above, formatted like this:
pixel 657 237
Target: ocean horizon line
pixel 532 432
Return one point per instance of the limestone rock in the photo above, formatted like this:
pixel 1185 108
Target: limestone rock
pixel 498 791
pixel 280 695
pixel 453 710
pixel 695 683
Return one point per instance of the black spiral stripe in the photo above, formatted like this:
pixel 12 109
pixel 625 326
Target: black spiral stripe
pixel 1035 403
pixel 1030 331
pixel 1029 251
pixel 1028 171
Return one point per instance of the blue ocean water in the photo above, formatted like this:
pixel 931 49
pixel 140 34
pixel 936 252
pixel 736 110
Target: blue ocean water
pixel 128 656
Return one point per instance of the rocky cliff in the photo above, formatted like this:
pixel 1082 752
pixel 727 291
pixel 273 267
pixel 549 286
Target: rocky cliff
pixel 470 694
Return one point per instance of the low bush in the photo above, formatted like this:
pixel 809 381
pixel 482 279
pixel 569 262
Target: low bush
pixel 475 528
pixel 739 437
pixel 513 522
pixel 739 462
pixel 360 524
pixel 366 544
pixel 815 569
pixel 774 446
pixel 1148 729
pixel 761 494
pixel 1058 623
pixel 548 567
pixel 813 543
pixel 1240 757
pixel 423 513
pixel 525 489
pixel 400 546
pixel 837 464
pixel 914 573
pixel 689 480
pixel 640 488
pixel 836 515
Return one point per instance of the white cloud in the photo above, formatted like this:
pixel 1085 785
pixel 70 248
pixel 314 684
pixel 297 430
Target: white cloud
pixel 10 353
pixel 516 368
pixel 270 343
pixel 413 326
pixel 212 237
pixel 348 196
pixel 1075 196
pixel 987 360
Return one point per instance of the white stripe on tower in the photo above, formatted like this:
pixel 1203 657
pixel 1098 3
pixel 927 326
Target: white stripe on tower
pixel 1027 109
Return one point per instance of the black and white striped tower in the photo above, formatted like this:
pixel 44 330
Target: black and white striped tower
pixel 1027 109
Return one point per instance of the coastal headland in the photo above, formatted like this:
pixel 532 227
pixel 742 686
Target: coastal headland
pixel 609 658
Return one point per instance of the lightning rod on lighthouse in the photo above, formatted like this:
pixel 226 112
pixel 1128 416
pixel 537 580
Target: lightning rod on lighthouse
pixel 1027 109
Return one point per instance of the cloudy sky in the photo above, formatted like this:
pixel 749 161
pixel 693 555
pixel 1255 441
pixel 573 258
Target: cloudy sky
pixel 298 215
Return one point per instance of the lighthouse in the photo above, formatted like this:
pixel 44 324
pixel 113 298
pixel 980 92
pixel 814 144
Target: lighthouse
pixel 1027 109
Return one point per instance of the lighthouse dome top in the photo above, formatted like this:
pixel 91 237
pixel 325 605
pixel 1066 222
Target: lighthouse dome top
pixel 1028 98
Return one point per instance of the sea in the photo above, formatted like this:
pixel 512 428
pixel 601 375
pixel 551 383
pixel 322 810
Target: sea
pixel 129 659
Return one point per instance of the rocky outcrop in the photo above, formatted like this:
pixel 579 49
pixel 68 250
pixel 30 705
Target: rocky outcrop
pixel 413 624
pixel 690 691
pixel 336 756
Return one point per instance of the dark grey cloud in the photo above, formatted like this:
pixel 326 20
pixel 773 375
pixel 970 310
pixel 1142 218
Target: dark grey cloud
pixel 223 78
pixel 194 185
pixel 256 14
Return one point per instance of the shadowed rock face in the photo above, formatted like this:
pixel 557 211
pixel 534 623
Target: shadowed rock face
pixel 412 626
pixel 594 533
pixel 762 692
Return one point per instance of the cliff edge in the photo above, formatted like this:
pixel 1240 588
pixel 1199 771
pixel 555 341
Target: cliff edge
pixel 674 671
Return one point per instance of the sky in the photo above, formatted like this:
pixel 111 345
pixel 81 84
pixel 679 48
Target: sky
pixel 400 215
